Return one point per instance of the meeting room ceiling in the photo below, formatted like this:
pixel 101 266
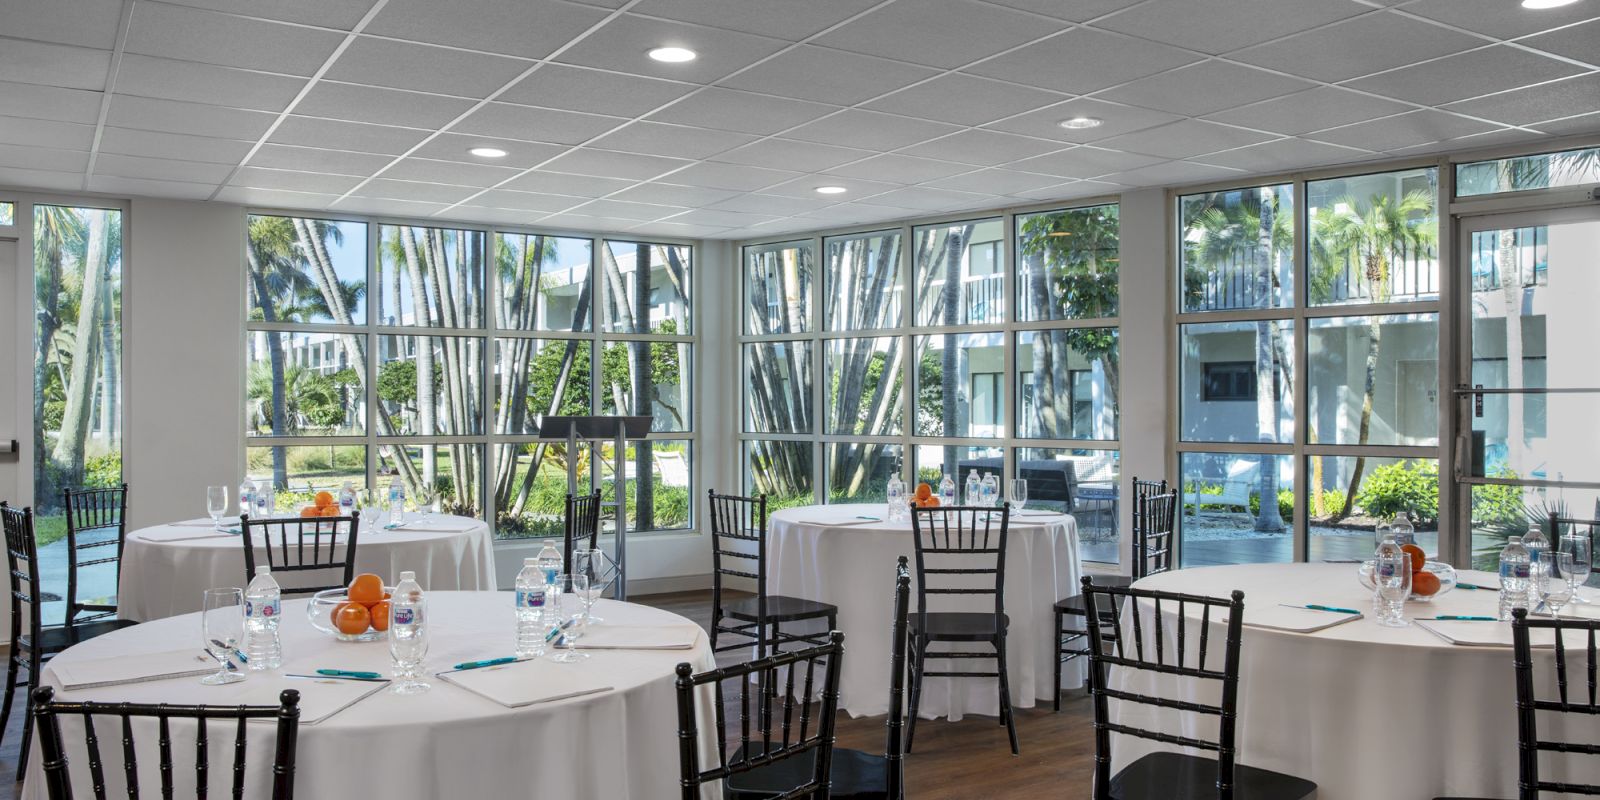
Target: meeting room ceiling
pixel 912 107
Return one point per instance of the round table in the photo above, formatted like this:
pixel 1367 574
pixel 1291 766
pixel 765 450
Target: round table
pixel 447 742
pixel 167 568
pixel 1363 710
pixel 829 554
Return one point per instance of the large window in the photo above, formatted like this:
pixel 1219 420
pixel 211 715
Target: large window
pixel 926 371
pixel 431 354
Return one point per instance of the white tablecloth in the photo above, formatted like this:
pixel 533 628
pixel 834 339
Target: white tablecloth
pixel 825 553
pixel 448 742
pixel 167 568
pixel 1363 710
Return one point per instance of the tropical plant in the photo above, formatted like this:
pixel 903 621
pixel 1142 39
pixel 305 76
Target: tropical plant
pixel 1403 488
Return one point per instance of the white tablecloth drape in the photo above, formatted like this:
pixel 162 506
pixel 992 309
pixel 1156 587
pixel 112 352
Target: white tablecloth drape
pixel 167 568
pixel 1362 710
pixel 447 742
pixel 826 553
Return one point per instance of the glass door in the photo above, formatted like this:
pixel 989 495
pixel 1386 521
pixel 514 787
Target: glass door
pixel 1528 373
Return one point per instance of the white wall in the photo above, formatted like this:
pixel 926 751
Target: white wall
pixel 1146 344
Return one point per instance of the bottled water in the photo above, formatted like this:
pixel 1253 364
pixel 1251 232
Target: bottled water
pixel 266 502
pixel 974 488
pixel 397 501
pixel 347 499
pixel 247 497
pixel 947 491
pixel 1537 545
pixel 896 498
pixel 1516 572
pixel 530 609
pixel 1387 548
pixel 550 561
pixel 263 606
pixel 990 490
pixel 408 633
pixel 1404 532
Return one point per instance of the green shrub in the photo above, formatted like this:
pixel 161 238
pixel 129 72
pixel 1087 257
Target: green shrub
pixel 1495 504
pixel 1402 487
pixel 103 471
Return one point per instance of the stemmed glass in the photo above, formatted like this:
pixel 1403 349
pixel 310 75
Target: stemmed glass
pixel 1555 582
pixel 1391 574
pixel 216 504
pixel 1582 551
pixel 590 564
pixel 221 630
pixel 369 504
pixel 426 496
pixel 569 613
pixel 1019 493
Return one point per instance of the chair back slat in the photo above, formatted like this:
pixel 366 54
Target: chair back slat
pixel 1529 703
pixel 1154 520
pixel 101 511
pixel 739 550
pixel 899 638
pixel 47 714
pixel 22 568
pixel 285 542
pixel 581 526
pixel 960 550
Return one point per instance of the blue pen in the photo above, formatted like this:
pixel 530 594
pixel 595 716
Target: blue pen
pixel 556 631
pixel 1462 618
pixel 488 662
pixel 344 673
pixel 874 519
pixel 1315 607
pixel 1476 586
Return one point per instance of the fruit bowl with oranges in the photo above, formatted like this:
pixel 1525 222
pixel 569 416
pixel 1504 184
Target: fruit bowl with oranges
pixel 1429 579
pixel 924 497
pixel 357 613
pixel 322 505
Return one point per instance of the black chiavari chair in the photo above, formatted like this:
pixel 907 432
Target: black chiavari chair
pixel 581 526
pixel 961 552
pixel 47 711
pixel 739 550
pixel 1145 646
pixel 96 523
pixel 301 544
pixel 804 729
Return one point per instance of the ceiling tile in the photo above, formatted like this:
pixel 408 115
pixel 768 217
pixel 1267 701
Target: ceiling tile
pixel 610 164
pixel 785 154
pixel 47 180
pixel 1499 19
pixel 410 191
pixel 1221 26
pixel 1496 138
pixel 1172 173
pixel 1356 47
pixel 1520 107
pixel 579 223
pixel 535 124
pixel 51 102
pixel 1204 88
pixel 937 33
pixel 828 76
pixel 923 198
pixel 110 184
pixel 807 187
pixel 46 133
pixel 743 112
pixel 173 145
pixel 1186 138
pixel 261 178
pixel 43 158
pixel 527 201
pixel 680 231
pixel 160 169
pixel 984 148
pixel 1470 74
pixel 1323 107
pixel 522 155
pixel 674 195
pixel 772 204
pixel 595 91
pixel 1582 123
pixel 781 19
pixel 1405 130
pixel 1064 190
pixel 1115 120
pixel 997 181
pixel 394 207
pixel 981 100
pixel 731 219
pixel 404 65
pixel 190 34
pixel 562 183
pixel 1074 10
pixel 313 159
pixel 900 169
pixel 54 65
pixel 1084 60
pixel 205 83
pixel 621 209
pixel 452 172
pixel 380 106
pixel 1285 154
pixel 528 28
pixel 855 127
pixel 734 177
pixel 1579 41
pixel 341 135
pixel 85 23
pixel 847 214
pixel 341 14
pixel 1084 162
pixel 677 141
pixel 275 198
pixel 622 45
pixel 483 215
pixel 172 116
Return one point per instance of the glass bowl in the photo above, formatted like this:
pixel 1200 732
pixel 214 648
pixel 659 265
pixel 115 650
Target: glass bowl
pixel 319 611
pixel 1445 573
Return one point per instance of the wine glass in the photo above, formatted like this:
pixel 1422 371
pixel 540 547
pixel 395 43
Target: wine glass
pixel 1019 493
pixel 1555 581
pixel 570 614
pixel 1391 574
pixel 221 630
pixel 1582 551
pixel 589 564
pixel 216 504
pixel 426 496
pixel 368 506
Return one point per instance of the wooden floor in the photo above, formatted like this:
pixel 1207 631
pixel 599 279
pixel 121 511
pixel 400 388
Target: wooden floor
pixel 967 759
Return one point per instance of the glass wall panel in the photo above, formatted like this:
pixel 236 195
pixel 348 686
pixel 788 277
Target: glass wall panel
pixel 960 273
pixel 1222 519
pixel 298 472
pixel 862 290
pixel 1067 383
pixel 859 472
pixel 1236 249
pixel 1236 382
pixel 306 270
pixel 1373 238
pixel 546 282
pixel 530 484
pixel 452 470
pixel 431 385
pixel 780 470
pixel 430 277
pixel 961 385
pixel 8 213
pixel 647 379
pixel 1084 483
pixel 1525 173
pixel 304 384
pixel 931 462
pixel 1374 380
pixel 777 396
pixel 662 503
pixel 778 288
pixel 864 385
pixel 1349 497
pixel 1067 264
pixel 539 377
pixel 648 287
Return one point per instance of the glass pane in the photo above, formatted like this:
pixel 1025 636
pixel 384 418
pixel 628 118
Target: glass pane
pixel 1374 380
pixel 661 303
pixel 430 277
pixel 546 283
pixel 961 387
pixel 1549 437
pixel 1237 249
pixel 1084 483
pixel 648 379
pixel 662 503
pixel 1067 264
pixel 451 469
pixel 1222 519
pixel 305 384
pixel 539 377
pixel 778 287
pixel 1349 497
pixel 929 464
pixel 1501 512
pixel 777 397
pixel 8 214
pixel 431 385
pixel 1067 383
pixel 863 284
pixel 298 472
pixel 961 273
pixel 1520 174
pixel 1374 238
pixel 530 502
pixel 864 385
pixel 306 270
pixel 780 470
pixel 1237 382
pixel 859 473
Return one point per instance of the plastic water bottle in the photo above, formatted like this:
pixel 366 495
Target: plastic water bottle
pixel 347 499
pixel 408 626
pixel 550 561
pixel 530 609
pixel 990 490
pixel 266 501
pixel 896 496
pixel 247 497
pixel 947 491
pixel 1387 548
pixel 263 607
pixel 973 491
pixel 397 501
pixel 1537 545
pixel 1516 573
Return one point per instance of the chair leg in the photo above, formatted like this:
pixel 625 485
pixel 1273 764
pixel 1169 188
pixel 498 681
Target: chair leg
pixel 27 712
pixel 1005 694
pixel 917 664
pixel 11 691
pixel 1061 652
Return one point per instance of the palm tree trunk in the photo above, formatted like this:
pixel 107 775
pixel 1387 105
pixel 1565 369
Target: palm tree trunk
pixel 950 382
pixel 644 484
pixel 1268 518
pixel 269 313
pixel 68 452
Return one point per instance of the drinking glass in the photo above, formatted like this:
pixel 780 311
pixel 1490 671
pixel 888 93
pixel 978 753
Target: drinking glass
pixel 216 504
pixel 1391 574
pixel 590 563
pixel 426 497
pixel 1582 551
pixel 221 630
pixel 369 504
pixel 1019 493
pixel 570 613
pixel 1555 581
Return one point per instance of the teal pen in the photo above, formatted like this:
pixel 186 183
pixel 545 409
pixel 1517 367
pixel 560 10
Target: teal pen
pixel 874 519
pixel 556 631
pixel 1476 586
pixel 1462 618
pixel 1315 607
pixel 488 662
pixel 344 673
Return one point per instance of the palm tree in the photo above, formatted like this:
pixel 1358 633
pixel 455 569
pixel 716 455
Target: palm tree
pixel 58 235
pixel 81 382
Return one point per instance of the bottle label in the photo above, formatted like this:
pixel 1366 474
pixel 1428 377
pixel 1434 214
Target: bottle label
pixel 530 598
pixel 1387 571
pixel 269 609
pixel 1515 571
pixel 404 616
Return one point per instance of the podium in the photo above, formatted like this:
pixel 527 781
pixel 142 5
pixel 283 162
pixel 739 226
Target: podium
pixel 595 430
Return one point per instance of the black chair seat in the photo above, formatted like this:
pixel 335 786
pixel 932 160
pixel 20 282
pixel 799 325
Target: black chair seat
pixel 855 776
pixel 961 626
pixel 780 609
pixel 1175 776
pixel 54 640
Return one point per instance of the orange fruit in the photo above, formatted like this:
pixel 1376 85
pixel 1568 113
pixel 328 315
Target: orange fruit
pixel 352 618
pixel 310 511
pixel 1418 558
pixel 924 490
pixel 931 502
pixel 1424 584
pixel 380 615
pixel 330 511
pixel 324 499
pixel 366 589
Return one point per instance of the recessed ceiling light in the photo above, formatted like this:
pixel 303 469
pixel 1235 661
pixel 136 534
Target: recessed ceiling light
pixel 673 55
pixel 1541 4
pixel 487 152
pixel 830 190
pixel 1079 123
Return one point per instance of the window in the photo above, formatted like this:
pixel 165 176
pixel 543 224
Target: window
pixel 1526 173
pixel 1229 380
pixel 8 214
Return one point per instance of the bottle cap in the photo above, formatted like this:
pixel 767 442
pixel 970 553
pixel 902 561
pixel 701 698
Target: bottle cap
pixel 530 562
pixel 263 570
pixel 408 576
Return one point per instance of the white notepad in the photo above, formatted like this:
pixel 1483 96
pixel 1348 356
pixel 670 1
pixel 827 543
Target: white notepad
pixel 94 673
pixel 320 698
pixel 838 523
pixel 639 637
pixel 1295 620
pixel 205 522
pixel 525 683
pixel 439 526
